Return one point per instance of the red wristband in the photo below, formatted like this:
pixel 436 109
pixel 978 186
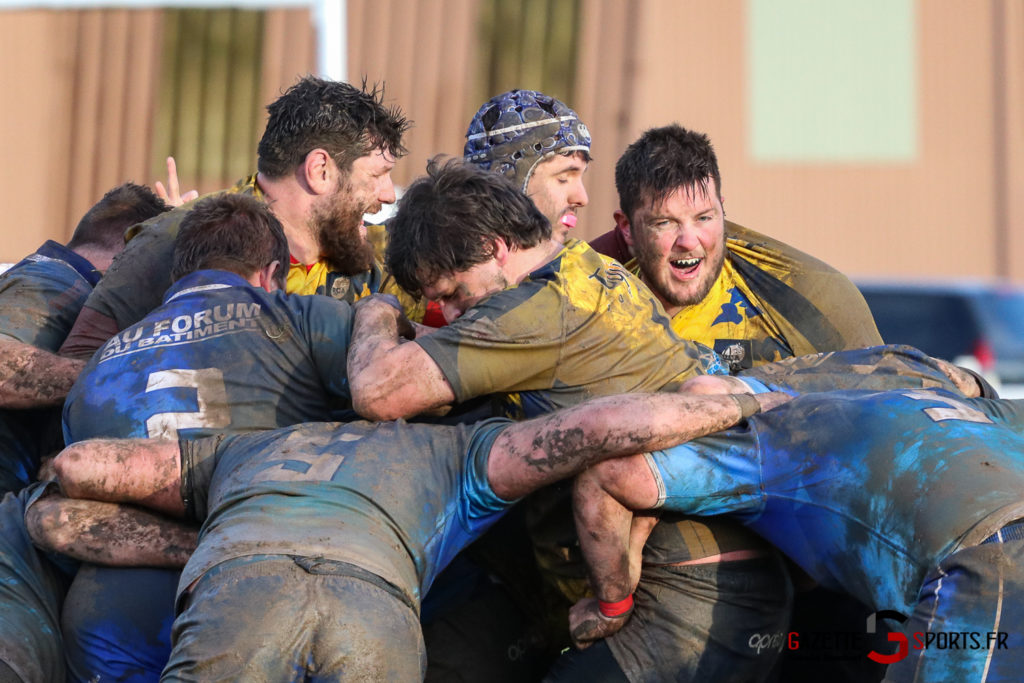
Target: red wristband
pixel 616 609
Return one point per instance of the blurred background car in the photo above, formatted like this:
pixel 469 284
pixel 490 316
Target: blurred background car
pixel 975 324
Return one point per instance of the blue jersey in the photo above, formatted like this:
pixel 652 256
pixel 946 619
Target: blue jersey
pixel 865 491
pixel 396 499
pixel 219 355
pixel 40 297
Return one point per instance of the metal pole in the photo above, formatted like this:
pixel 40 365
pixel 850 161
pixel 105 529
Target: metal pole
pixel 330 19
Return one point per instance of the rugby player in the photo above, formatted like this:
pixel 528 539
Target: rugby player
pixel 40 297
pixel 907 500
pixel 227 351
pixel 539 143
pixel 324 160
pixel 750 297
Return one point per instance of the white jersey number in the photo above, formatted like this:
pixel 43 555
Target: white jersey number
pixel 211 397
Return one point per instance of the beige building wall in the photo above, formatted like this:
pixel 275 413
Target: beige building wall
pixel 955 210
pixel 77 90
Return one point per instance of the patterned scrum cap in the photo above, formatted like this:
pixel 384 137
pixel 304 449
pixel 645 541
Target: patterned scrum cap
pixel 515 131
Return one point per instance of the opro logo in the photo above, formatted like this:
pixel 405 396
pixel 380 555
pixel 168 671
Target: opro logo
pixel 767 641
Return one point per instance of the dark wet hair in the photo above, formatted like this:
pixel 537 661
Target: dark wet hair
pixel 447 222
pixel 346 121
pixel 661 161
pixel 103 226
pixel 232 232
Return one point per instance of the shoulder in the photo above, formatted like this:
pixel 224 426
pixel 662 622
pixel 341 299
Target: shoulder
pixel 768 253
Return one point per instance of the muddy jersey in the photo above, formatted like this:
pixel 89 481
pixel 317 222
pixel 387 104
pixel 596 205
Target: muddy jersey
pixel 771 302
pixel 220 354
pixel 577 327
pixel 875 368
pixel 40 297
pixel 866 491
pixel 396 499
pixel 32 589
pixel 136 281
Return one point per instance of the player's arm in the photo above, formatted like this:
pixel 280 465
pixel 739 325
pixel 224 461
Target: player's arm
pixel 389 379
pixel 535 453
pixel 604 498
pixel 33 378
pixel 109 534
pixel 532 454
pixel 145 472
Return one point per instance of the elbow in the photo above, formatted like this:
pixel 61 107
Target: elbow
pixel 46 525
pixel 374 408
pixel 372 402
pixel 67 466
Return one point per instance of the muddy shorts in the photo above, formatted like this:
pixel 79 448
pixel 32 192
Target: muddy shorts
pixel 717 622
pixel 282 618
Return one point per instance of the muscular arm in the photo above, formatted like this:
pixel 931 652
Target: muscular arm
pixel 389 379
pixel 142 471
pixel 604 498
pixel 538 452
pixel 109 534
pixel 34 378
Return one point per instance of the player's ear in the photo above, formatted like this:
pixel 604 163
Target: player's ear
pixel 623 226
pixel 267 275
pixel 318 170
pixel 501 251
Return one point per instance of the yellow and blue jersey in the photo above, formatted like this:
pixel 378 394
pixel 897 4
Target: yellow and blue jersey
pixel 579 326
pixel 772 301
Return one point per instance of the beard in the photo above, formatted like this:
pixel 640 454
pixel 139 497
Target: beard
pixel 337 224
pixel 657 275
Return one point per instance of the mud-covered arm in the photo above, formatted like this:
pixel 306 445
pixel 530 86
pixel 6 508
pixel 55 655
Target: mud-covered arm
pixel 538 452
pixel 390 379
pixel 615 538
pixel 109 534
pixel 145 472
pixel 34 378
pixel 611 537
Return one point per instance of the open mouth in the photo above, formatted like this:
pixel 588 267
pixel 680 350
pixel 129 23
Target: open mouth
pixel 686 266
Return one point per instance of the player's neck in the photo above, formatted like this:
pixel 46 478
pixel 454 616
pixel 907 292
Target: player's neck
pixel 292 207
pixel 522 262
